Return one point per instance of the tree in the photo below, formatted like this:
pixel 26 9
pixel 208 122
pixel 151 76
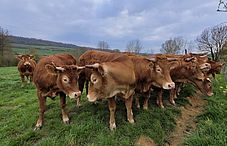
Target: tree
pixel 134 46
pixel 6 56
pixel 4 41
pixel 173 46
pixel 102 45
pixel 213 40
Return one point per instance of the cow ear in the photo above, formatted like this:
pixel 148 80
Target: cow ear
pixel 97 67
pixel 19 57
pixel 80 69
pixel 173 64
pixel 52 69
pixel 31 57
pixel 151 64
pixel 101 70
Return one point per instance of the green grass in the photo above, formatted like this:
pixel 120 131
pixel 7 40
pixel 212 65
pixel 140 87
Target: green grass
pixel 212 124
pixel 89 123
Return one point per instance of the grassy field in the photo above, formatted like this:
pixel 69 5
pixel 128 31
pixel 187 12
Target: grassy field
pixel 89 123
pixel 212 125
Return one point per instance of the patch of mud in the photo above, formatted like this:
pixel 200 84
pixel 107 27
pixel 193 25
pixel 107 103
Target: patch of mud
pixel 144 141
pixel 186 124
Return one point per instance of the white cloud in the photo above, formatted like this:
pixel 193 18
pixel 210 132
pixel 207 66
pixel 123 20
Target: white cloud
pixel 118 21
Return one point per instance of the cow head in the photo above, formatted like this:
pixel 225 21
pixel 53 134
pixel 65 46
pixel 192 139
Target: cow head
pixel 216 66
pixel 109 79
pixel 160 72
pixel 205 86
pixel 25 62
pixel 67 78
pixel 97 82
pixel 191 69
pixel 203 61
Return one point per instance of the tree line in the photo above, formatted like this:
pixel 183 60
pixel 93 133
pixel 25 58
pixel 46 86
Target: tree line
pixel 212 41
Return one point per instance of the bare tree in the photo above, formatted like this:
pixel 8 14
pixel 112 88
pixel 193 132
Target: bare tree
pixel 213 40
pixel 4 41
pixel 222 6
pixel 6 56
pixel 173 46
pixel 102 45
pixel 134 46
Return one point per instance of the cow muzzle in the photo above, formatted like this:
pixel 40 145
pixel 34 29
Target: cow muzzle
pixel 210 94
pixel 27 63
pixel 91 99
pixel 170 85
pixel 205 67
pixel 74 95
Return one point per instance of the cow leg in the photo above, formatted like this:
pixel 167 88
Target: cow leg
pixel 22 79
pixel 137 102
pixel 28 79
pixel 128 104
pixel 65 117
pixel 81 82
pixel 159 99
pixel 112 108
pixel 42 108
pixel 31 76
pixel 87 82
pixel 172 95
pixel 146 99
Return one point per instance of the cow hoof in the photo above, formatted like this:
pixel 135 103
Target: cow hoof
pixel 112 127
pixel 78 105
pixel 37 128
pixel 66 120
pixel 145 107
pixel 162 106
pixel 173 102
pixel 131 121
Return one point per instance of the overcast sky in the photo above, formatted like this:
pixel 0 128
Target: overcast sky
pixel 85 22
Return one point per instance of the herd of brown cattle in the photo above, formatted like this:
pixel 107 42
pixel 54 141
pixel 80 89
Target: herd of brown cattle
pixel 109 75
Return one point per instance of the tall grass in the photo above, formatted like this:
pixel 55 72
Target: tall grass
pixel 212 125
pixel 89 123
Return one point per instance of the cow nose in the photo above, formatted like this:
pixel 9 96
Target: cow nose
pixel 171 85
pixel 77 93
pixel 73 95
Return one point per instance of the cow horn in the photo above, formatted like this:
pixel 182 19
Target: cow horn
pixel 60 68
pixel 203 56
pixel 189 59
pixel 172 59
pixel 96 65
pixel 80 67
pixel 151 59
pixel 208 79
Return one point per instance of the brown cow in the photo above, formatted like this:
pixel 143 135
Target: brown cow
pixel 26 66
pixel 187 71
pixel 53 75
pixel 216 67
pixel 152 72
pixel 146 73
pixel 108 79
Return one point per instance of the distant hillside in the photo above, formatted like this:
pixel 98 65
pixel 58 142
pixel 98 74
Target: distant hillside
pixel 39 42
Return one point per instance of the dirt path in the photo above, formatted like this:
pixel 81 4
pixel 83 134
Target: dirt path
pixel 186 123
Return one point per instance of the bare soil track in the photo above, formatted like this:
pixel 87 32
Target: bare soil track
pixel 186 123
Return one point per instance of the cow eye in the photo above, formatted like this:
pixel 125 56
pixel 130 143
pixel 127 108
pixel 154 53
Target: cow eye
pixel 158 70
pixel 65 79
pixel 94 80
